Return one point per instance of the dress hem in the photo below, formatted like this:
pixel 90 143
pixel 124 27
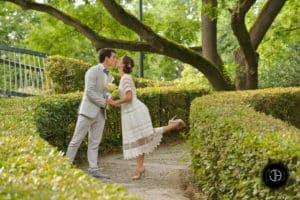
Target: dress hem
pixel 144 149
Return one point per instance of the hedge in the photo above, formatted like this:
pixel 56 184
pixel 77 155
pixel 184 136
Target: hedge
pixel 231 143
pixel 282 105
pixel 30 168
pixel 55 116
pixel 65 75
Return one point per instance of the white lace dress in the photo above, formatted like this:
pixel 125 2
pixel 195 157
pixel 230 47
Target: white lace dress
pixel 138 134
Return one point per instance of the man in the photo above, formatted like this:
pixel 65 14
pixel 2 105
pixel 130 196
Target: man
pixel 92 112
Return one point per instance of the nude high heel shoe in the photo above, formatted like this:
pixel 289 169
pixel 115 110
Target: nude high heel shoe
pixel 178 123
pixel 171 120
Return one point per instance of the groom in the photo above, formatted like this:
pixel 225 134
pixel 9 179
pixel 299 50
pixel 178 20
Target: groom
pixel 92 112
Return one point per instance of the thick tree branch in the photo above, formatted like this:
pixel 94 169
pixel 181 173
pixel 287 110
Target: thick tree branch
pixel 166 47
pixel 97 40
pixel 246 72
pixel 154 43
pixel 162 45
pixel 240 30
pixel 130 21
pixel 209 35
pixel 264 21
pixel 243 37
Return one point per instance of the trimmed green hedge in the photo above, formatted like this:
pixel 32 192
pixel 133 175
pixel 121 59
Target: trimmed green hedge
pixel 32 169
pixel 231 143
pixel 282 105
pixel 56 115
pixel 65 75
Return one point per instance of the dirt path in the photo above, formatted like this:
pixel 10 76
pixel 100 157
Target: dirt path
pixel 165 177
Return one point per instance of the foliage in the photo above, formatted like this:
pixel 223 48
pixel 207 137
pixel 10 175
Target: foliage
pixel 190 75
pixel 176 20
pixel 283 105
pixel 171 25
pixel 64 40
pixel 32 169
pixel 55 116
pixel 12 32
pixel 225 170
pixel 279 51
pixel 65 74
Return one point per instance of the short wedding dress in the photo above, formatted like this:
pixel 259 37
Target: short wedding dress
pixel 138 134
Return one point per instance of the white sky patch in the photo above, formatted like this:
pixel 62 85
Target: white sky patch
pixel 77 2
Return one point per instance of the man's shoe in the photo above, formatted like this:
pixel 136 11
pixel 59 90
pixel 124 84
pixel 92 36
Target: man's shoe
pixel 98 174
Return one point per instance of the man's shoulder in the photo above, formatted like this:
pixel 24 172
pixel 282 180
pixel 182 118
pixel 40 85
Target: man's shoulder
pixel 94 69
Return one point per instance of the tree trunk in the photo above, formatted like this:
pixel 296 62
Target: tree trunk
pixel 243 37
pixel 240 71
pixel 257 32
pixel 209 34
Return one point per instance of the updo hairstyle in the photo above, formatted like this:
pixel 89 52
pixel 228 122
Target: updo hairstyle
pixel 129 64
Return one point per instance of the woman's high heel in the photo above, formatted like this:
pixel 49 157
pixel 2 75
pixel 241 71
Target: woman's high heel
pixel 179 123
pixel 172 120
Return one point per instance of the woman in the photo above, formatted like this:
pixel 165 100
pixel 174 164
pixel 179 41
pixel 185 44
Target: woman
pixel 139 136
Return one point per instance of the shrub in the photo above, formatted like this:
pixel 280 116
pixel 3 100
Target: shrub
pixel 55 116
pixel 30 168
pixel 231 143
pixel 65 74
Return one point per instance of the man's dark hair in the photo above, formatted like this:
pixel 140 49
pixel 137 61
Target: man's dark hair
pixel 106 52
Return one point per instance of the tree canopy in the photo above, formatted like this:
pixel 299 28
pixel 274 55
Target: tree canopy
pixel 172 28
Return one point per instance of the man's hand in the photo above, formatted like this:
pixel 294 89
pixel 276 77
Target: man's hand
pixel 108 95
pixel 111 102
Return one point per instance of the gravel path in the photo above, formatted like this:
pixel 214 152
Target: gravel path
pixel 166 176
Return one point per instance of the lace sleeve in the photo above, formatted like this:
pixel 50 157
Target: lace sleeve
pixel 127 84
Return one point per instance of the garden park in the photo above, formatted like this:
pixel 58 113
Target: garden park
pixel 230 69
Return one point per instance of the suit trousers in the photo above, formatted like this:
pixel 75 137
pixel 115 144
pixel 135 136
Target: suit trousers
pixel 95 128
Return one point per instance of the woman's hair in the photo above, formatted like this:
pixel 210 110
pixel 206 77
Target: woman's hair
pixel 129 64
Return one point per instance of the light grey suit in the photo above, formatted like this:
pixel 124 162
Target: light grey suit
pixel 92 115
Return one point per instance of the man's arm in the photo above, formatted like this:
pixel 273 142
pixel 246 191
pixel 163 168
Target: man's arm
pixel 126 99
pixel 91 91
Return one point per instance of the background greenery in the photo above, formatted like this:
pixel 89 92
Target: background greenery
pixel 223 169
pixel 55 116
pixel 230 145
pixel 176 19
pixel 32 169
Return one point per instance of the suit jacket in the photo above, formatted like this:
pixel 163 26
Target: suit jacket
pixel 93 100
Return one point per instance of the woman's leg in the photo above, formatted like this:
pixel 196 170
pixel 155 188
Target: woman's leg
pixel 140 169
pixel 140 163
pixel 169 127
pixel 173 124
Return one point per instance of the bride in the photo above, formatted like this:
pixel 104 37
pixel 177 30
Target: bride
pixel 139 136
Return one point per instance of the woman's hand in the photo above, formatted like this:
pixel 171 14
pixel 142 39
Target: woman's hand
pixel 111 102
pixel 126 99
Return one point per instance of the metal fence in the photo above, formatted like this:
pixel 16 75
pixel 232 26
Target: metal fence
pixel 22 72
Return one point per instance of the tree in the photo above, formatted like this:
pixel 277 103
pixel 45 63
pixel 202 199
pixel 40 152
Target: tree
pixel 279 52
pixel 246 55
pixel 11 30
pixel 155 43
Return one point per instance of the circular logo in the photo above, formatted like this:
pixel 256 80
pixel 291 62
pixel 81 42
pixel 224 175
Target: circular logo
pixel 275 175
